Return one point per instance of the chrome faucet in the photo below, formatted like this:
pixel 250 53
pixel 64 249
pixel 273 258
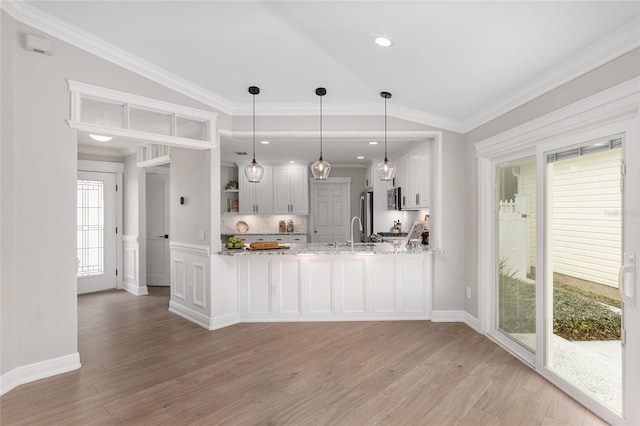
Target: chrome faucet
pixel 351 230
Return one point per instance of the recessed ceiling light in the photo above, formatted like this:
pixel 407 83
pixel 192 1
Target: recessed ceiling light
pixel 360 157
pixel 383 41
pixel 291 161
pixel 373 143
pixel 101 138
pixel 265 142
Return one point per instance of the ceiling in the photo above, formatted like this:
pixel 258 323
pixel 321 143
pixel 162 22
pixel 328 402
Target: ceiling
pixel 451 65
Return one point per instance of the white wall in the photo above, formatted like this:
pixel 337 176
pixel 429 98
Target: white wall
pixel 608 75
pixel 190 178
pixel 38 172
pixel 449 278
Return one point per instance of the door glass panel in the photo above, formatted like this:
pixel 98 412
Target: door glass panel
pixel 150 121
pixel 516 293
pixel 102 113
pixel 90 228
pixel 584 251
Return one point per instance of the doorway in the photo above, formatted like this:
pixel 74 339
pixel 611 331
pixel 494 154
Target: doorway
pixel 157 215
pixel 96 232
pixel 330 210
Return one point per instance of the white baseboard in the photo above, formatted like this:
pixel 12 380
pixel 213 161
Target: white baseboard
pixel 135 289
pixel 447 316
pixel 472 322
pixel 189 314
pixel 224 321
pixel 39 370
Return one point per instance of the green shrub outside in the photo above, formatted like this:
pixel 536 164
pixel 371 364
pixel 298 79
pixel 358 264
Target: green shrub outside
pixel 576 317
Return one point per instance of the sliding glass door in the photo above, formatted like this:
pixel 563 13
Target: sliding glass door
pixel 583 255
pixel 516 252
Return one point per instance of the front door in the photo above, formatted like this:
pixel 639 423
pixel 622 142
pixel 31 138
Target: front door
pixel 96 231
pixel 329 212
pixel 158 229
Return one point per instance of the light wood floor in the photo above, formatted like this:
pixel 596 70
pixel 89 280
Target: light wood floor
pixel 143 365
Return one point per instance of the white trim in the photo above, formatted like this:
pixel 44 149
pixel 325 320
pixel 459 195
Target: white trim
pixel 100 166
pixel 197 249
pixel 154 161
pixel 447 316
pixel 472 322
pixel 130 238
pixel 224 321
pixel 364 135
pixel 146 137
pixel 610 104
pixel 38 370
pixel 134 289
pixel 615 44
pixel 137 101
pixel 189 314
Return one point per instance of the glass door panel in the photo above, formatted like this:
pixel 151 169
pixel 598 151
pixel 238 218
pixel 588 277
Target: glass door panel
pixel 516 251
pixel 583 256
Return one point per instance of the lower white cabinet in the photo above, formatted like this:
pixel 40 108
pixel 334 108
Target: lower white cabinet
pixel 281 238
pixel 327 287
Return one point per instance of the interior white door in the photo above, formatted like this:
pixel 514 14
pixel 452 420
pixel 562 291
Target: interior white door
pixel 158 229
pixel 96 231
pixel 329 212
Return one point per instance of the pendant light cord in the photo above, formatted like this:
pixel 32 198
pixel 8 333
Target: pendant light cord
pixel 385 129
pixel 254 127
pixel 320 128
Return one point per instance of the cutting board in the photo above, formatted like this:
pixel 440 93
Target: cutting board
pixel 267 248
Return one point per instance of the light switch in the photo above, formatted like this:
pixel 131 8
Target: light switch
pixel 200 234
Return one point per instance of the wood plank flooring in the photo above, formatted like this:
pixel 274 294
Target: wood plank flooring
pixel 144 365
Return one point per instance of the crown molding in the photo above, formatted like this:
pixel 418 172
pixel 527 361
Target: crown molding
pixel 331 134
pixel 615 44
pixel 350 110
pixel 30 15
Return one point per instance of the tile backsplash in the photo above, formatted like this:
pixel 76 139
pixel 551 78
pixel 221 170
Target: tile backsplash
pixel 261 224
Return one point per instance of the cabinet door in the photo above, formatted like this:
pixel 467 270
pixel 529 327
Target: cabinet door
pixel 281 190
pixel 423 190
pixel 264 193
pixel 246 195
pixel 299 179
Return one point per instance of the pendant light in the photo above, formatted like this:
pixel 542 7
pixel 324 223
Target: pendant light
pixel 386 169
pixel 321 168
pixel 254 171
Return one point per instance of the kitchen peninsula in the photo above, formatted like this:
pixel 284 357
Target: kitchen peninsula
pixel 331 282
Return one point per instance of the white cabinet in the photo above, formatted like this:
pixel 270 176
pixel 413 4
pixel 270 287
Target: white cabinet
pixel 291 189
pixel 415 178
pixel 257 198
pixel 334 287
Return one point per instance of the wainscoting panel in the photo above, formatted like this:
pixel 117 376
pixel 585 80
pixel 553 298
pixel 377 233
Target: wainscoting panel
pixel 353 285
pixel 289 286
pixel 190 266
pixel 321 297
pixel 384 286
pixel 131 272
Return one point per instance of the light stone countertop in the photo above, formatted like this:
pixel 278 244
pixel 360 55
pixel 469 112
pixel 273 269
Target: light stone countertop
pixel 324 249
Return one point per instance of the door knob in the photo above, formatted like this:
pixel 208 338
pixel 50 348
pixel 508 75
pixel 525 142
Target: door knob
pixel 163 236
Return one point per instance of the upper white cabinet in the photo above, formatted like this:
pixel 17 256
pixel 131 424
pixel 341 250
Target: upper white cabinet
pixel 369 176
pixel 256 198
pixel 415 178
pixel 291 189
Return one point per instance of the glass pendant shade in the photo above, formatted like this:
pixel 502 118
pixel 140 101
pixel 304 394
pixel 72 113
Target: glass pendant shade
pixel 320 169
pixel 254 171
pixel 386 170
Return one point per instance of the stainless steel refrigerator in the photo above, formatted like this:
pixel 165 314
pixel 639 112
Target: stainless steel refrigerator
pixel 366 215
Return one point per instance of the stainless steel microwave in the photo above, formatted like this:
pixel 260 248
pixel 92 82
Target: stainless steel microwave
pixel 394 198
